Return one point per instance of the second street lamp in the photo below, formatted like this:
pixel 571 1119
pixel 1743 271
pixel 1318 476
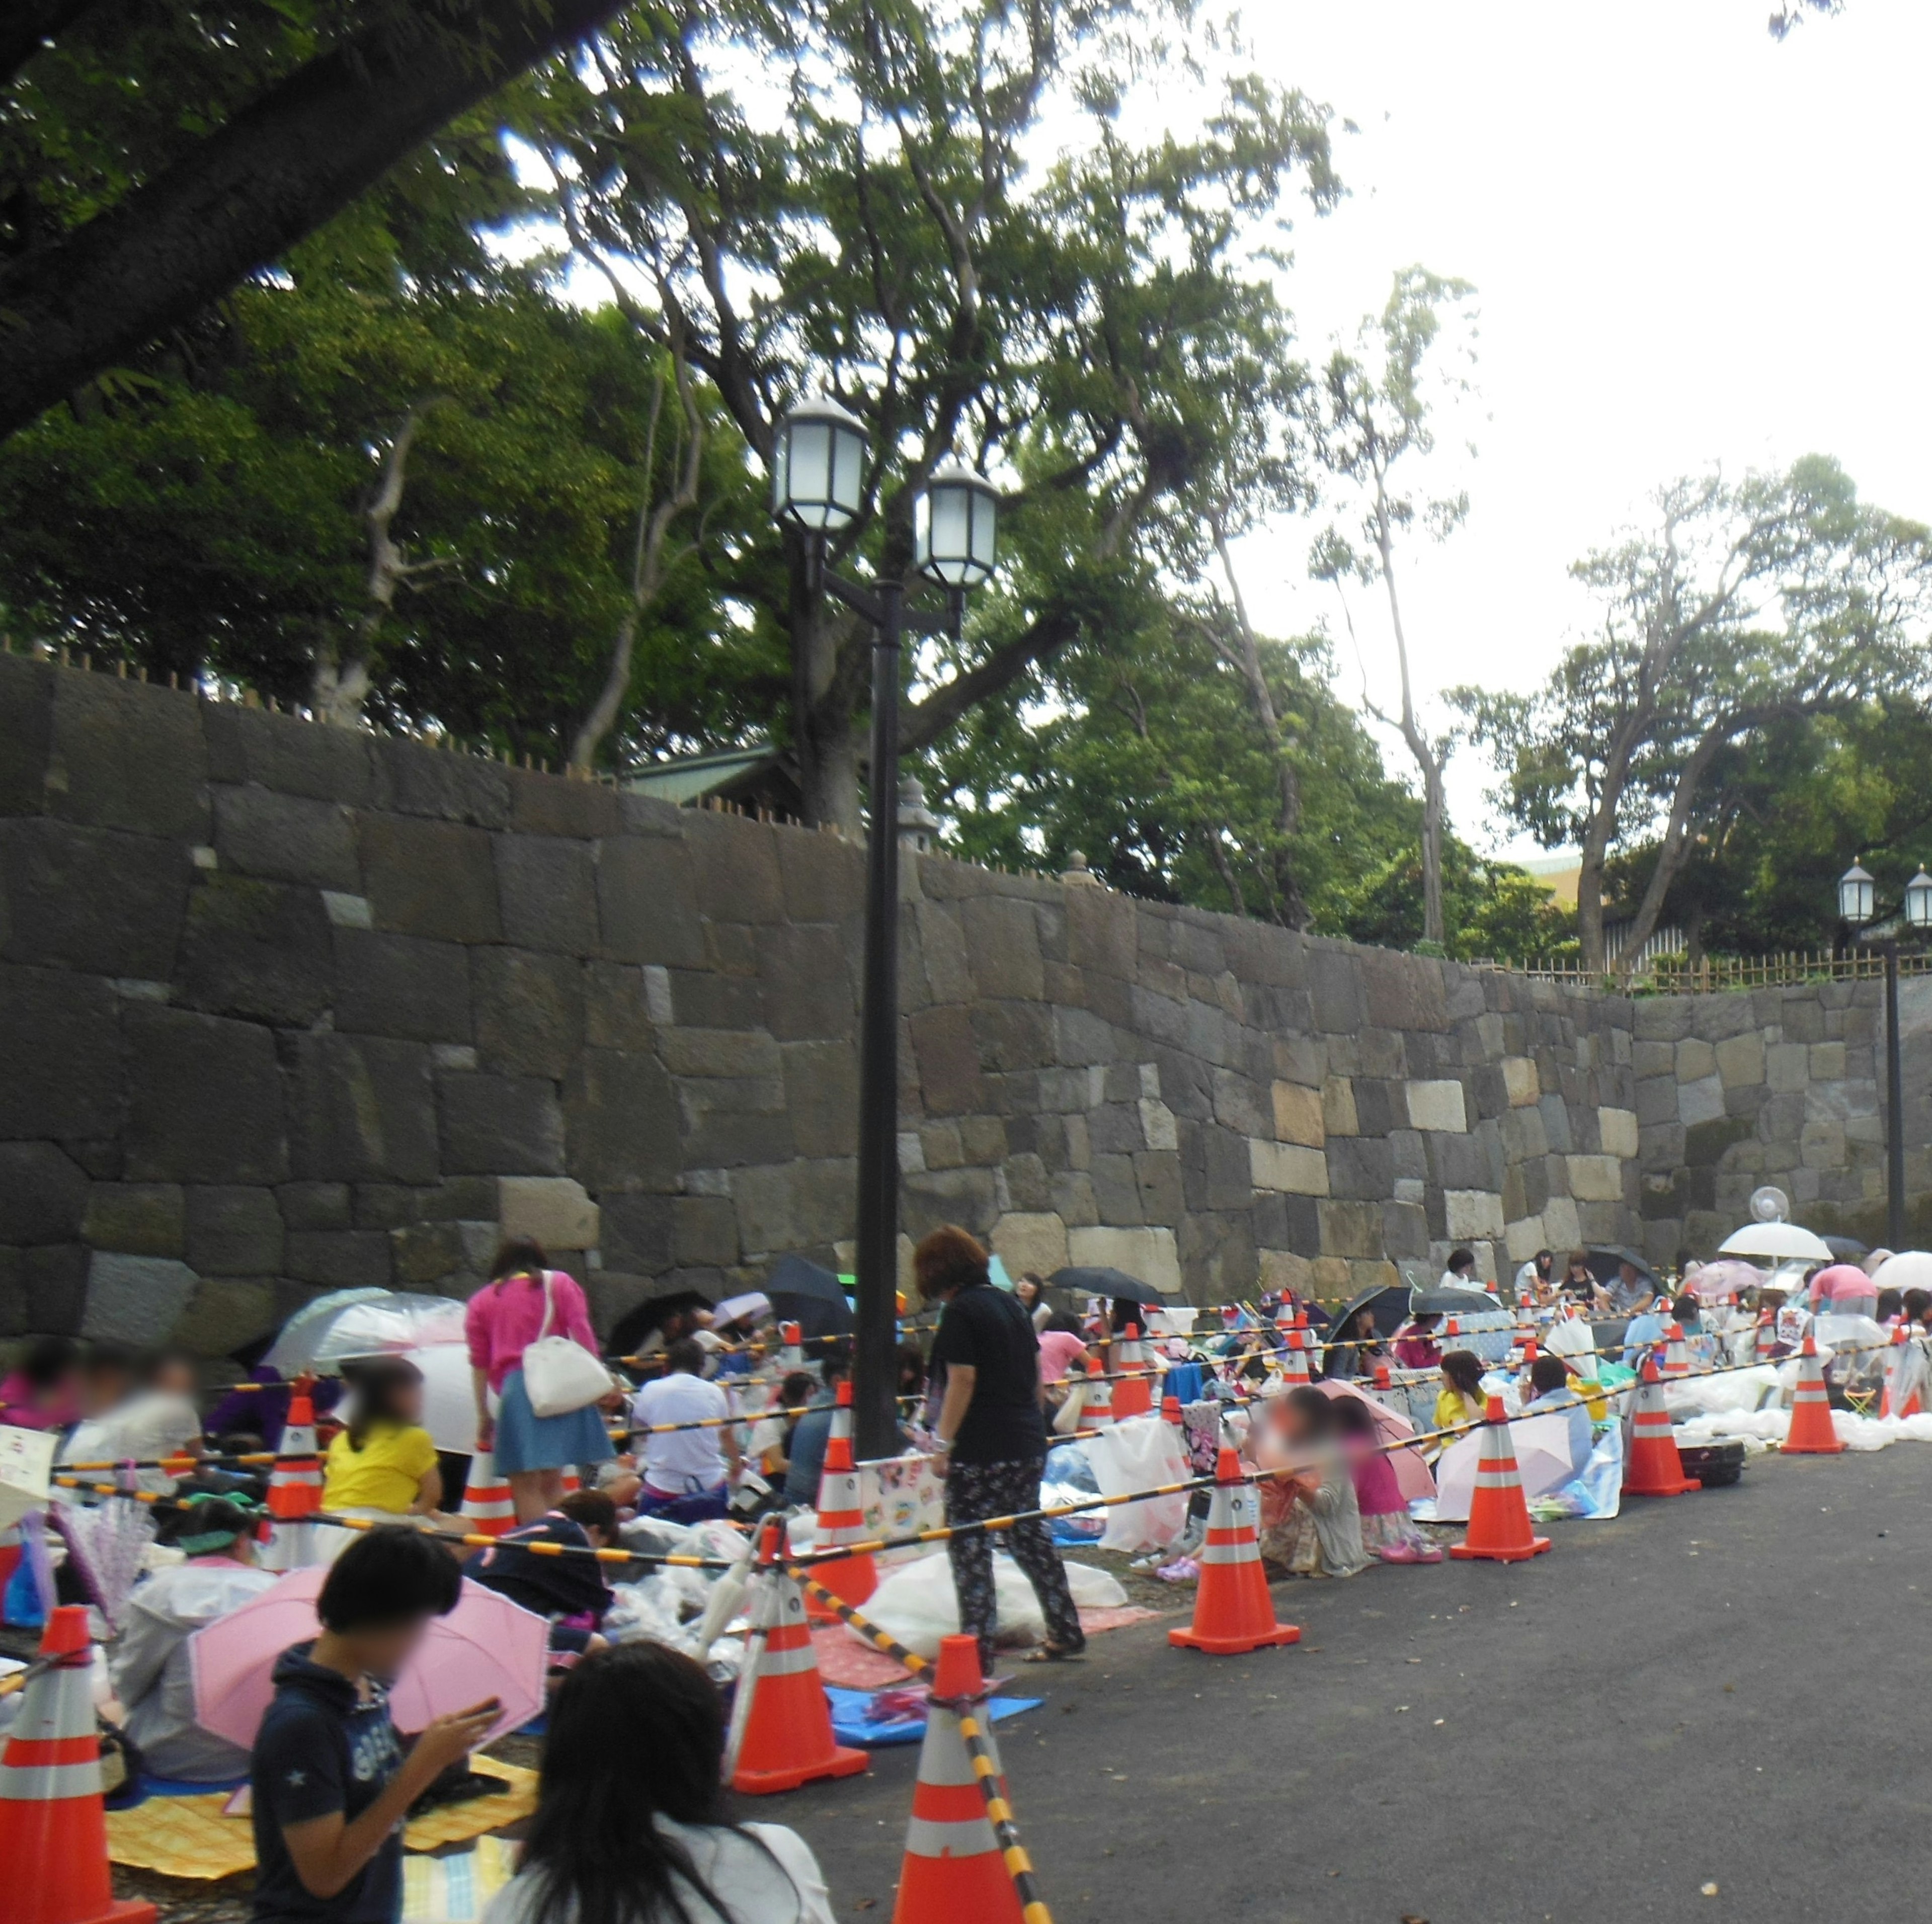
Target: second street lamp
pixel 817 489
pixel 1858 905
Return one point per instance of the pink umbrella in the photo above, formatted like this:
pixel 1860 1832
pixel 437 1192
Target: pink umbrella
pixel 1542 1449
pixel 1729 1276
pixel 486 1647
pixel 1412 1476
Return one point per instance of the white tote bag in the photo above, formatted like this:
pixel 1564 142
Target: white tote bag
pixel 560 1375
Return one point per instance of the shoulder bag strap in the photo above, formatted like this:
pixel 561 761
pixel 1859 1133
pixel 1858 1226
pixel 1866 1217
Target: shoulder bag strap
pixel 550 1307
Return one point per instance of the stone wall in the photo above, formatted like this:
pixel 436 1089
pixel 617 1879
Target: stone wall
pixel 285 1009
pixel 1782 1086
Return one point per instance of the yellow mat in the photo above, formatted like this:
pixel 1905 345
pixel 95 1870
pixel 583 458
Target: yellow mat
pixel 188 1837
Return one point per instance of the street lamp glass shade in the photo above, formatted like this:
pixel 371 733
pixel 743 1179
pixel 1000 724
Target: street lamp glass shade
pixel 952 528
pixel 1855 896
pixel 1918 900
pixel 819 467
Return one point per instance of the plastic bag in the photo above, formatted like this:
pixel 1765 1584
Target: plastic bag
pixel 916 1605
pixel 1140 1454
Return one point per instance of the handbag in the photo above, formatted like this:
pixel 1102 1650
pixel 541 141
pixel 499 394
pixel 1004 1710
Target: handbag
pixel 560 1375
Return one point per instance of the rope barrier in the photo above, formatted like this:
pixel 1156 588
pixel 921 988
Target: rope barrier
pixel 999 1812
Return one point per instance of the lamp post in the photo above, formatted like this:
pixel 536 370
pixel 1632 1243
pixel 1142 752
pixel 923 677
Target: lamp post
pixel 817 478
pixel 1858 906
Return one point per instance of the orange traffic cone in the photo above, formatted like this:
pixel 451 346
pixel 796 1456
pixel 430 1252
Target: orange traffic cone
pixel 953 1871
pixel 1233 1611
pixel 841 1518
pixel 1097 1407
pixel 1676 1357
pixel 1499 1529
pixel 1654 1468
pixel 1766 1340
pixel 1133 1395
pixel 53 1839
pixel 1811 1433
pixel 782 1724
pixel 294 1484
pixel 571 1481
pixel 488 1507
pixel 1293 1358
pixel 791 1351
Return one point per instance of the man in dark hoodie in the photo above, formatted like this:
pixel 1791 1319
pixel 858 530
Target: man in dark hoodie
pixel 330 1778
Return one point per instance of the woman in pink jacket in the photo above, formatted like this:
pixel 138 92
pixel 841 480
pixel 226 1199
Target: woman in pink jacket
pixel 503 1320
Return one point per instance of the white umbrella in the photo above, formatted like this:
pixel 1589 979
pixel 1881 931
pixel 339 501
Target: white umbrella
pixel 1782 1241
pixel 364 1323
pixel 1910 1269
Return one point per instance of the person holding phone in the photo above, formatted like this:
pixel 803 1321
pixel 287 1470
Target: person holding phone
pixel 330 1780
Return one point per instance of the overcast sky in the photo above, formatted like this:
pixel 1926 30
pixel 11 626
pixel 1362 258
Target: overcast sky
pixel 1692 245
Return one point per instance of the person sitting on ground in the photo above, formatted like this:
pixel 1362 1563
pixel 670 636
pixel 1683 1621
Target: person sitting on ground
pixel 1461 1273
pixel 641 1832
pixel 1550 1391
pixel 1579 1280
pixel 769 1449
pixel 990 1440
pixel 1311 1523
pixel 1535 1280
pixel 1357 1350
pixel 1388 1532
pixel 154 1422
pixel 687 1474
pixel 1629 1292
pixel 565 1585
pixel 1644 1330
pixel 1463 1398
pixel 42 1391
pixel 383 1463
pixel 814 1430
pixel 148 1661
pixel 1415 1344
pixel 330 1783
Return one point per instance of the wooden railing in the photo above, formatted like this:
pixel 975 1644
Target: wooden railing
pixel 1713 975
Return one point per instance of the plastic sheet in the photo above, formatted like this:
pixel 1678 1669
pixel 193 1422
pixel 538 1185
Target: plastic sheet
pixel 915 1605
pixel 1140 1454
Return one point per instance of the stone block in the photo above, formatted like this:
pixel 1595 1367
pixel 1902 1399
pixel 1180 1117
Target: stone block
pixel 255 948
pixel 1696 1060
pixel 1351 1228
pixel 1436 1105
pixel 26 737
pixel 1523 1238
pixel 808 992
pixel 500 1125
pixel 233 1231
pixel 1521 1081
pixel 617 1006
pixel 547 892
pixel 1787 1067
pixel 823 877
pixel 314 1205
pixel 1653 1059
pixel 1362 1167
pixel 1463 1162
pixel 1405 1229
pixel 949 1061
pixel 1151 1255
pixel 1596 1179
pixel 553 1210
pixel 1740 1059
pixel 796 1205
pixel 1561 1227
pixel 362 1109
pixel 352 1259
pixel 528 1011
pixel 821 1081
pixel 1282 1270
pixel 423 1256
pixel 735 864
pixel 1617 1130
pixel 1002 947
pixel 1290 1167
pixel 136 1218
pixel 1030 1243
pixel 224 1313
pixel 1700 1102
pixel 43 1194
pixel 425 877
pixel 205 1099
pixel 1116 1192
pixel 1472 1214
pixel 105 903
pixel 647 902
pixel 1335 984
pixel 123 756
pixel 1298 1116
pixel 1018 1034
pixel 638 1232
pixel 719 1052
pixel 401 986
pixel 1403 991
pixel 1338 1107
pixel 286 838
pixel 1827 1062
pixel 60 1039
pixel 730 1121
pixel 1239 1105
pixel 134 1300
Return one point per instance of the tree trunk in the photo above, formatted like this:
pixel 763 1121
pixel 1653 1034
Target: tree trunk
pixel 276 172
pixel 1590 896
pixel 1433 810
pixel 1433 927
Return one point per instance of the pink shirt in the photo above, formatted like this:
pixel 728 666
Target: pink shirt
pixel 502 1321
pixel 1377 1492
pixel 1058 1349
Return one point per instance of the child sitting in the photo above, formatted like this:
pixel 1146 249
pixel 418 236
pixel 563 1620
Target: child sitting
pixel 1387 1531
pixel 1310 1522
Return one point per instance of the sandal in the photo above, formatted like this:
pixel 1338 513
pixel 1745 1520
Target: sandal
pixel 1051 1653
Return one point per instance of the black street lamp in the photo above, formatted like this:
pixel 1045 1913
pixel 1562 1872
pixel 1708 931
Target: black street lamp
pixel 1858 906
pixel 818 477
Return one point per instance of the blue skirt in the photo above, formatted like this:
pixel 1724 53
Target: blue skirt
pixel 527 1441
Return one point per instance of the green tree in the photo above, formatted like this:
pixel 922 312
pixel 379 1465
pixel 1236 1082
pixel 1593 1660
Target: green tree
pixel 869 223
pixel 1741 604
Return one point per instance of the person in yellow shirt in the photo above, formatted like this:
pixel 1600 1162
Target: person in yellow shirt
pixel 1462 1400
pixel 384 1461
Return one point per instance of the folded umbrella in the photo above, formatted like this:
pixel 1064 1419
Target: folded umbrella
pixel 486 1647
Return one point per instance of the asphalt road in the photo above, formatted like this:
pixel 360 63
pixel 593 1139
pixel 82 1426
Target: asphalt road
pixel 1728 1688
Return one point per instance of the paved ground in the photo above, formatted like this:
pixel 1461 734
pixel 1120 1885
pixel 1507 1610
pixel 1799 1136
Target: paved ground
pixel 1728 1688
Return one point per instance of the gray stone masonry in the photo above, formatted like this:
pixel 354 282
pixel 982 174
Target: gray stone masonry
pixel 286 1009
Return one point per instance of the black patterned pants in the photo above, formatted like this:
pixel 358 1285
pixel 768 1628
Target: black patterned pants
pixel 975 1491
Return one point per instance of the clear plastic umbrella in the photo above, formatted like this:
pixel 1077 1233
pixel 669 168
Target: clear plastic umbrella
pixel 363 1322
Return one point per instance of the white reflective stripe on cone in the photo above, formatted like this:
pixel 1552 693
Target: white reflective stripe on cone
pixel 1505 1478
pixel 786 1663
pixel 927 1837
pixel 1247 1552
pixel 48 1783
pixel 952 1764
pixel 60 1704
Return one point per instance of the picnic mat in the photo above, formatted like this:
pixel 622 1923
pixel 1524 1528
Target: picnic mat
pixel 454 1890
pixel 188 1837
pixel 846 1664
pixel 849 1724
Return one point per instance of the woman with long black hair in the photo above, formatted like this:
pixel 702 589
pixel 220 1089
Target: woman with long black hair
pixel 632 1823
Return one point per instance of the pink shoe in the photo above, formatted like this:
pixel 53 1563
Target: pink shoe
pixel 1433 1555
pixel 1400 1553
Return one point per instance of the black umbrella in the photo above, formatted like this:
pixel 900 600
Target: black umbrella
pixel 636 1326
pixel 812 1297
pixel 1605 1262
pixel 1105 1282
pixel 1451 1302
pixel 1389 1301
pixel 1847 1248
